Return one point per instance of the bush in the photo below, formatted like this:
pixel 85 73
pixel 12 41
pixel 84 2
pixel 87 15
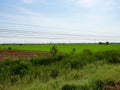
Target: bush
pixel 107 43
pixel 20 68
pixel 76 64
pixel 12 69
pixel 100 43
pixel 73 50
pixel 60 57
pixel 87 56
pixel 97 85
pixel 54 50
pixel 87 52
pixel 43 61
pixel 69 87
pixel 9 48
pixel 54 73
pixel 111 56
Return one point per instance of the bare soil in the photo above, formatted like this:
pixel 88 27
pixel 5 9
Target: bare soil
pixel 18 54
pixel 115 87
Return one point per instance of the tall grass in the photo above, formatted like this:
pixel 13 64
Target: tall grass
pixel 85 71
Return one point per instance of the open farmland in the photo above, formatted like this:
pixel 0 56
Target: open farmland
pixel 87 67
pixel 64 48
pixel 59 44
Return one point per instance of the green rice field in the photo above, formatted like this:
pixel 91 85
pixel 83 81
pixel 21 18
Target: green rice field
pixel 65 48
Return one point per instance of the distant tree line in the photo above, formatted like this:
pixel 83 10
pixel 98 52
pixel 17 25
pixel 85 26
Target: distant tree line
pixel 107 43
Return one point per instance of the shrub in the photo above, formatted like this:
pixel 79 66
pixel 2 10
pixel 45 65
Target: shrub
pixel 76 64
pixel 87 56
pixel 9 48
pixel 69 87
pixel 112 56
pixel 82 59
pixel 87 52
pixel 73 50
pixel 54 73
pixel 20 68
pixel 54 50
pixel 99 56
pixel 100 43
pixel 61 57
pixel 98 85
pixel 43 61
pixel 107 43
pixel 12 69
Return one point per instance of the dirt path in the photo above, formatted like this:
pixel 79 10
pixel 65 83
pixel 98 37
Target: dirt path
pixel 14 54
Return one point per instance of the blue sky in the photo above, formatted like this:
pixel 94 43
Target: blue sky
pixel 44 21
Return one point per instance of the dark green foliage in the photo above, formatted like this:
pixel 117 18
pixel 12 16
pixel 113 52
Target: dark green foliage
pixel 107 43
pixel 84 87
pixel 87 52
pixel 99 56
pixel 111 56
pixel 54 50
pixel 43 61
pixel 69 87
pixel 73 50
pixel 84 58
pixel 48 60
pixel 104 43
pixel 87 56
pixel 100 43
pixel 98 85
pixel 14 79
pixel 12 68
pixel 20 68
pixel 76 64
pixel 61 57
pixel 54 73
pixel 9 48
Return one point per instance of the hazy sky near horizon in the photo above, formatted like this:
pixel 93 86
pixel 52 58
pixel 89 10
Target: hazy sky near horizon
pixel 44 21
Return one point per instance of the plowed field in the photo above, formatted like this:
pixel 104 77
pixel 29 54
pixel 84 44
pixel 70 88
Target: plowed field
pixel 15 54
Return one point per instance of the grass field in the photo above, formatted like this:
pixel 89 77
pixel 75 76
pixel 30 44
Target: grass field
pixel 65 48
pixel 91 67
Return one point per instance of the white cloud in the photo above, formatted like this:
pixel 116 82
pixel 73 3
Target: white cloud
pixel 28 1
pixel 87 3
pixel 106 4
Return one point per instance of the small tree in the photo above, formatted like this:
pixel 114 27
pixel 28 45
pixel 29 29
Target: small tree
pixel 54 50
pixel 107 43
pixel 73 50
pixel 100 43
pixel 9 48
